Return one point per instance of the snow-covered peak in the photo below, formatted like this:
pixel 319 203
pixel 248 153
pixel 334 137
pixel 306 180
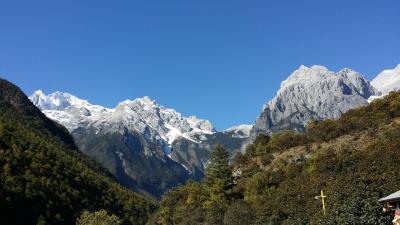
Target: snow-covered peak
pixel 313 67
pixel 67 109
pixel 56 101
pixel 143 115
pixel 201 124
pixel 387 81
pixel 240 131
pixel 145 102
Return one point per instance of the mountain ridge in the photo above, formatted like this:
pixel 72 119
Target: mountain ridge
pixel 178 125
pixel 312 93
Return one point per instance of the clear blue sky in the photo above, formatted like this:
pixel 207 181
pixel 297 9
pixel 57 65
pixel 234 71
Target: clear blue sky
pixel 219 60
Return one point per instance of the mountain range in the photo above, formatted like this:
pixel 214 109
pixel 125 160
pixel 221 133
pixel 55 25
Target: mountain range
pixel 151 148
pixel 135 139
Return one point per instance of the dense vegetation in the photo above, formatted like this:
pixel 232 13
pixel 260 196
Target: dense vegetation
pixel 353 160
pixel 98 218
pixel 44 179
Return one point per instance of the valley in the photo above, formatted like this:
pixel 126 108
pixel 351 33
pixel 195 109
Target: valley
pixel 151 148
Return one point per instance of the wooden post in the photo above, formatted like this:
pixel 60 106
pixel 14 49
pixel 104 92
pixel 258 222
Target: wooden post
pixel 322 197
pixel 323 202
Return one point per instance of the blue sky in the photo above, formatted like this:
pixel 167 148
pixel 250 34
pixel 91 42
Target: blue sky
pixel 219 60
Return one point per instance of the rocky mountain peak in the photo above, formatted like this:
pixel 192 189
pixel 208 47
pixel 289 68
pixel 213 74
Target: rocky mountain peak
pixel 303 74
pixel 313 93
pixel 139 104
pixel 56 101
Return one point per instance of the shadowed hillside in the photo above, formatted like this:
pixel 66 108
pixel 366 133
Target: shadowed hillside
pixel 44 179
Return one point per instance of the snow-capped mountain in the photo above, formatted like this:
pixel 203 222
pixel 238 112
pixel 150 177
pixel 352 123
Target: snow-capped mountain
pixel 240 131
pixel 386 81
pixel 56 101
pixel 133 140
pixel 67 109
pixel 143 115
pixel 313 93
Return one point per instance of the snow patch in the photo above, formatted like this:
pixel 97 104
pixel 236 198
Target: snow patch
pixel 386 81
pixel 240 131
pixel 167 150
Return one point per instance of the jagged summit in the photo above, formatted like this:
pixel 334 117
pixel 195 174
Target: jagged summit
pixel 56 101
pixel 317 74
pixel 313 93
pixel 143 115
pixel 145 102
pixel 304 73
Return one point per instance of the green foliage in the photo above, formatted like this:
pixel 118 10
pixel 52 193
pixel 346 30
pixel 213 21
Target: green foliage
pixel 97 218
pixel 239 213
pixel 371 117
pixel 285 140
pixel 44 179
pixel 352 159
pixel 218 169
pixel 200 203
pixel 256 187
pixel 218 178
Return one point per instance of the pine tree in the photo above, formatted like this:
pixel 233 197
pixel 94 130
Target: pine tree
pixel 218 178
pixel 218 169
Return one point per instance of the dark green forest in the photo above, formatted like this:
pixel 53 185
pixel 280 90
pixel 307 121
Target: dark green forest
pixel 44 179
pixel 354 160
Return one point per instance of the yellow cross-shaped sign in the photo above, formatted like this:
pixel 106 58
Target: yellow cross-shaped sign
pixel 322 197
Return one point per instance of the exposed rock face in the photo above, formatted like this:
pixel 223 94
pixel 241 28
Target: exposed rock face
pixel 313 93
pixel 195 155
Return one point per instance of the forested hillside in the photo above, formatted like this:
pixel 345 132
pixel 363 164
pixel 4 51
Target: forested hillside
pixel 44 179
pixel 354 160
